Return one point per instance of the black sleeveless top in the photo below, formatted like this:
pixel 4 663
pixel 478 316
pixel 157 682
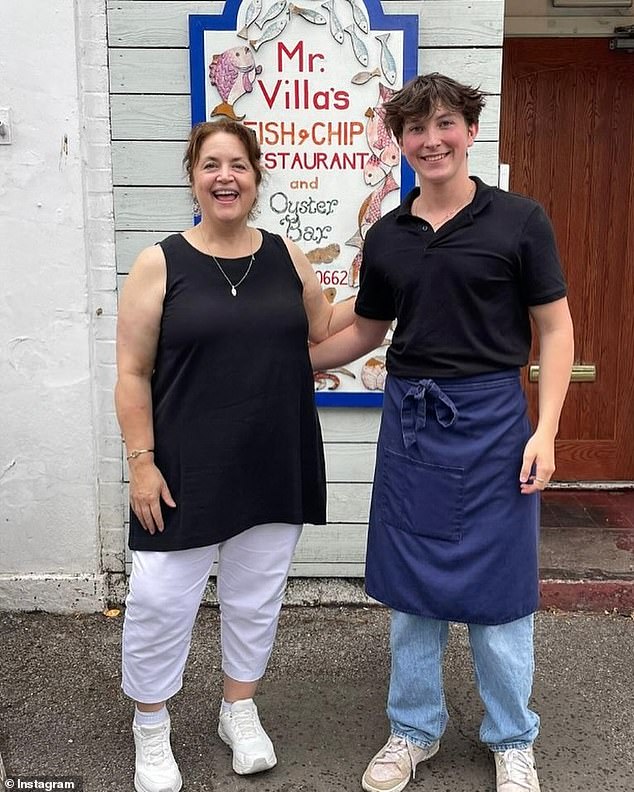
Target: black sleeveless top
pixel 236 432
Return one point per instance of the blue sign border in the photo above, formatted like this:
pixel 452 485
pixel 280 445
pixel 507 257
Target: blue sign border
pixel 407 23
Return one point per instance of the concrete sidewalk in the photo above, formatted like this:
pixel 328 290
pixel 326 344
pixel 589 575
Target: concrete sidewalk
pixel 322 702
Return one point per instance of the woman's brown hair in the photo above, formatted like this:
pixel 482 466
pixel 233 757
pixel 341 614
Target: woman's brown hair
pixel 200 132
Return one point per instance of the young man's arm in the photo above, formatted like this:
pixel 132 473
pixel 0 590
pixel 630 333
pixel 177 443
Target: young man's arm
pixel 556 343
pixel 362 336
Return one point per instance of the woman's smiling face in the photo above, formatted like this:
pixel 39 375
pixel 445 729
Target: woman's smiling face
pixel 224 181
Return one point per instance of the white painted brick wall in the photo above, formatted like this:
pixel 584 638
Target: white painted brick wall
pixel 50 426
pixel 95 105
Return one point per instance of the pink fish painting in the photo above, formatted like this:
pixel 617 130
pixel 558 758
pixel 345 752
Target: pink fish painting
pixel 370 209
pixel 353 272
pixel 233 72
pixel 374 171
pixel 385 93
pixel 379 139
pixel 355 267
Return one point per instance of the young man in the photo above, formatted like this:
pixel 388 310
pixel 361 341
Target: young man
pixel 454 519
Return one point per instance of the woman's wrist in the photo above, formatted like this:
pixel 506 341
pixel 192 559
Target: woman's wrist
pixel 137 452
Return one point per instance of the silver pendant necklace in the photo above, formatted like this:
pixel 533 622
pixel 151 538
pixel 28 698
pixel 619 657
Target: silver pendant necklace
pixel 234 286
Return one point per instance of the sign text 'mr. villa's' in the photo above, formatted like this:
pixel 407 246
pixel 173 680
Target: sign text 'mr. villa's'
pixel 296 94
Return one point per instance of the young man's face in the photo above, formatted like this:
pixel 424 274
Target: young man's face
pixel 436 147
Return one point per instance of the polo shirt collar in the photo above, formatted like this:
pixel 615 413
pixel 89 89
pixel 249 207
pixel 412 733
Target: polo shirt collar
pixel 482 198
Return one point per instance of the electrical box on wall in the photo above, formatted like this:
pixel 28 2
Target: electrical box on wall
pixel 5 126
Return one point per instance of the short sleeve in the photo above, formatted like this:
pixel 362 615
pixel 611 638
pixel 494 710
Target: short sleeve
pixel 375 299
pixel 542 276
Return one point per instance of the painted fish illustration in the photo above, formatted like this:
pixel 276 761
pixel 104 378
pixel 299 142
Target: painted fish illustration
pixel 359 18
pixel 324 255
pixel 336 28
pixel 233 73
pixel 374 171
pixel 385 93
pixel 370 209
pixel 323 378
pixel 358 47
pixel 272 12
pixel 355 268
pixel 362 77
pixel 379 139
pixel 330 292
pixel 373 373
pixel 310 15
pixel 356 240
pixel 388 62
pixel 252 13
pixel 270 32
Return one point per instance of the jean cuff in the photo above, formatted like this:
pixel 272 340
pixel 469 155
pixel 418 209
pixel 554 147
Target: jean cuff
pixel 414 741
pixel 522 746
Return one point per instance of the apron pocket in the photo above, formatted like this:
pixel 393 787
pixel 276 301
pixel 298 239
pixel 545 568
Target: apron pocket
pixel 420 498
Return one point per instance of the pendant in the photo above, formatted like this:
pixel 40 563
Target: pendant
pixel 233 291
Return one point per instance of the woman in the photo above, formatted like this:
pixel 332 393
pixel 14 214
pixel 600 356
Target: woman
pixel 215 402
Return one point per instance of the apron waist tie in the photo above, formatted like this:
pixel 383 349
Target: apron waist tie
pixel 414 409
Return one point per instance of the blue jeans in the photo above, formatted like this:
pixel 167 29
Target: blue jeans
pixel 504 665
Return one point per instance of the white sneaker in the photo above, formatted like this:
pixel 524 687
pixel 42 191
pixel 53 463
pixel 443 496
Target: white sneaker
pixel 392 768
pixel 155 767
pixel 241 729
pixel 515 770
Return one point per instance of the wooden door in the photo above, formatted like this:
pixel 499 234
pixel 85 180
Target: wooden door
pixel 567 131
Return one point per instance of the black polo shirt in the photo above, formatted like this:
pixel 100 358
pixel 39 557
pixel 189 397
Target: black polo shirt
pixel 460 295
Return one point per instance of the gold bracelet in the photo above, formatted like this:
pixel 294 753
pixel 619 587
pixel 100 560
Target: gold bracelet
pixel 138 452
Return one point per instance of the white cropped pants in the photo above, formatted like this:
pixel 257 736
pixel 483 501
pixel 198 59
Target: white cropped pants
pixel 164 596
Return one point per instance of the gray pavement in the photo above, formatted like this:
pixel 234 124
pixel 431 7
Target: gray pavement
pixel 322 702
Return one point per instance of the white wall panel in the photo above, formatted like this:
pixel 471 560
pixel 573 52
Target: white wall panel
pixel 154 24
pixel 482 67
pixel 130 243
pixel 454 23
pixel 153 71
pixel 152 208
pixel 150 117
pixel 332 544
pixel 349 426
pixel 148 163
pixel 350 462
pixel 349 502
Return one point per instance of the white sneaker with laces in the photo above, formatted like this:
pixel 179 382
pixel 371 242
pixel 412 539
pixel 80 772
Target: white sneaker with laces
pixel 241 729
pixel 395 764
pixel 155 767
pixel 515 770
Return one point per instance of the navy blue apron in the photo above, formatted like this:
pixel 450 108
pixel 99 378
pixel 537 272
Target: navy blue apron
pixel 450 535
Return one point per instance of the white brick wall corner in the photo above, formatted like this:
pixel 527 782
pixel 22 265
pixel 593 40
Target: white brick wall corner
pixel 99 227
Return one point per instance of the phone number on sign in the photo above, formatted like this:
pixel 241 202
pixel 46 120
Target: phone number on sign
pixel 332 277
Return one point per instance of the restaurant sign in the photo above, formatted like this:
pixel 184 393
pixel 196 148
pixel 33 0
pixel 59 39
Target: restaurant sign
pixel 310 79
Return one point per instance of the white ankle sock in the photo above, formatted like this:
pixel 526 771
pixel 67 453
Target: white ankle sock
pixel 150 718
pixel 225 707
